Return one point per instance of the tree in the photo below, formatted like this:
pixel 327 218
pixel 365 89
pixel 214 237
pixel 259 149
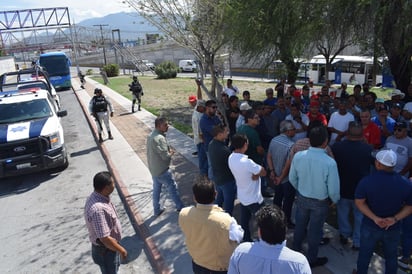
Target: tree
pixel 334 28
pixel 270 30
pixel 397 39
pixel 197 25
pixel 387 25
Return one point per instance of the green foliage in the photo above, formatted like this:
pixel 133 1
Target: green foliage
pixel 166 70
pixel 89 72
pixel 112 70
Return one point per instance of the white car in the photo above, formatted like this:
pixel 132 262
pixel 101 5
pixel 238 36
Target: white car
pixel 31 135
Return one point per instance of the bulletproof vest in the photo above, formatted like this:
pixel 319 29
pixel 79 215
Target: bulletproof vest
pixel 99 104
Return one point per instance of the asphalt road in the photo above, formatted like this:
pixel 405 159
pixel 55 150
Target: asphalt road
pixel 42 229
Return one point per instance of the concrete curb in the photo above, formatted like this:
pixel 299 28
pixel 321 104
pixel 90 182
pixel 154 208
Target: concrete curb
pixel 154 255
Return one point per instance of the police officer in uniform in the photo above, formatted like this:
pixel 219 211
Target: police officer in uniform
pixel 98 108
pixel 136 88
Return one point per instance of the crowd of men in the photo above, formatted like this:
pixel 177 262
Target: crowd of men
pixel 313 148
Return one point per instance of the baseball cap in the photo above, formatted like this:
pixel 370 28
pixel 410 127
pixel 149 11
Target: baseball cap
pixel 201 103
pixel 379 100
pixel 396 92
pixel 387 158
pixel 244 106
pixel 401 125
pixel 314 104
pixel 192 98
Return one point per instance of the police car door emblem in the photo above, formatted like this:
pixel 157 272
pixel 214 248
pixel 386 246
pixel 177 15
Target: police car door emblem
pixel 18 128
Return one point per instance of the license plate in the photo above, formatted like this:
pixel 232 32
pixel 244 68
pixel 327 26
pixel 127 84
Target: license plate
pixel 25 165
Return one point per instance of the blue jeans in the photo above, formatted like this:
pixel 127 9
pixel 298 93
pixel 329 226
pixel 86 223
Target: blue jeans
pixel 370 236
pixel 345 228
pixel 311 214
pixel 284 198
pixel 107 260
pixel 226 195
pixel 201 155
pixel 165 178
pixel 407 237
pixel 246 213
pixel 209 167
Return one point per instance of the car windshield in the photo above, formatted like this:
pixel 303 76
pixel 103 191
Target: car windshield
pixel 24 111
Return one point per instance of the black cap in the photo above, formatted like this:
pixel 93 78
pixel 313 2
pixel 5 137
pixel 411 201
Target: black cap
pixel 401 125
pixel 97 90
pixel 397 105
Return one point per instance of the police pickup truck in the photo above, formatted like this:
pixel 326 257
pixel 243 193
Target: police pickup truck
pixel 31 135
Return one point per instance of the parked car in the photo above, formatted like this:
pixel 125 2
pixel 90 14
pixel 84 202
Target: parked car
pixel 187 66
pixel 31 135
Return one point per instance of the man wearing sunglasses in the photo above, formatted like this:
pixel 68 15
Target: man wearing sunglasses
pixel 401 144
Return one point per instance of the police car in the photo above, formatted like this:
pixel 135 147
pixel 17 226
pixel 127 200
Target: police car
pixel 31 135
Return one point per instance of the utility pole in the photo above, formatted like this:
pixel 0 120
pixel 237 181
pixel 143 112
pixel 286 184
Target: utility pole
pixel 104 49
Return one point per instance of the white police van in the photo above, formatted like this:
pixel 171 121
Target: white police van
pixel 31 135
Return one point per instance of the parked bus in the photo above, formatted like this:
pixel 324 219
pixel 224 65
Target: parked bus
pixel 57 65
pixel 349 69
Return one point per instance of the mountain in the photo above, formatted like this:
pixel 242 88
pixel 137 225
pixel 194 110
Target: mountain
pixel 131 24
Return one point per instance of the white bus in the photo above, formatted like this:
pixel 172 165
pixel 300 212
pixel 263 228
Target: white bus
pixel 350 69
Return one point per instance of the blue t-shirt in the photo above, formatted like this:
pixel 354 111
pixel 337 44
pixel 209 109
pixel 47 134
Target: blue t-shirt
pixel 206 125
pixel 390 125
pixel 385 193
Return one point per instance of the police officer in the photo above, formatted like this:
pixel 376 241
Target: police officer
pixel 98 108
pixel 136 88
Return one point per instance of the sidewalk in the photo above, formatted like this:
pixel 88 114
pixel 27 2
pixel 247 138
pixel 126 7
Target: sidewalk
pixel 164 242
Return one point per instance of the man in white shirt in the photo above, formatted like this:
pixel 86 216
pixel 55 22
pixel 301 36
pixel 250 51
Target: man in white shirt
pixel 247 175
pixel 300 122
pixel 230 89
pixel 339 122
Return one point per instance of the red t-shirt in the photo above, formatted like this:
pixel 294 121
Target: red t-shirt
pixel 372 135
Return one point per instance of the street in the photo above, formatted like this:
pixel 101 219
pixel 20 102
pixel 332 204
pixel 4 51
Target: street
pixel 42 228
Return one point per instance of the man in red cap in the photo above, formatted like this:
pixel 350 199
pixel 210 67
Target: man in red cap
pixel 314 113
pixel 192 100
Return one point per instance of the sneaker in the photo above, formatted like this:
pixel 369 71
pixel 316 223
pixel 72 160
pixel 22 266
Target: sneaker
pixel 319 262
pixel 194 154
pixel 404 262
pixel 324 241
pixel 267 194
pixel 343 240
pixel 160 212
pixel 355 248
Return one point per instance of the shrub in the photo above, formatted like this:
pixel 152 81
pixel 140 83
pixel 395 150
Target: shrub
pixel 166 70
pixel 112 70
pixel 89 72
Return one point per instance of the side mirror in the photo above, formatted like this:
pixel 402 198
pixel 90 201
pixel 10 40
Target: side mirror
pixel 61 113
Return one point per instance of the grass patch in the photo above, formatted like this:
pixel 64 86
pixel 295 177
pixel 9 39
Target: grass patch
pixel 169 97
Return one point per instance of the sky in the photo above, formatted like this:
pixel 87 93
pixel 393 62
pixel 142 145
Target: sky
pixel 78 9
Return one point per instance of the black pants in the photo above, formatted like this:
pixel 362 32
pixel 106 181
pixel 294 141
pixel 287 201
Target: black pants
pixel 197 269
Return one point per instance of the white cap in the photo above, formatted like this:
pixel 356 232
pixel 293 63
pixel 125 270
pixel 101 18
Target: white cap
pixel 387 158
pixel 397 92
pixel 244 106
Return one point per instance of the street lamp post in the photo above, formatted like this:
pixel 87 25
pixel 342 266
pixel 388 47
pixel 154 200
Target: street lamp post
pixel 104 49
pixel 119 43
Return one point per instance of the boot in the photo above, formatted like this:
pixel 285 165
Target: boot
pixel 139 108
pixel 110 135
pixel 100 138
